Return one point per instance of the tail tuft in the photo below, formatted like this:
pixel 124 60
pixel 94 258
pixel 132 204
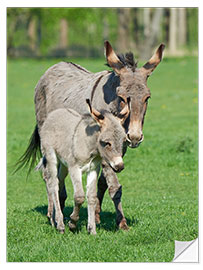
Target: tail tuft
pixel 31 154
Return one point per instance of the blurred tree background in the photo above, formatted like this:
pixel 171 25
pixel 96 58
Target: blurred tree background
pixel 80 32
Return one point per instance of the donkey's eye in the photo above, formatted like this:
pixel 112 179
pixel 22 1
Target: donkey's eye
pixel 122 103
pixel 104 144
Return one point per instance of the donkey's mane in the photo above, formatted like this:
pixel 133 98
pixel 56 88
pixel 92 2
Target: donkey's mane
pixel 127 60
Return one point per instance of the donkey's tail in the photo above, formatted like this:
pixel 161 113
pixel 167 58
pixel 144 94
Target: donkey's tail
pixel 31 154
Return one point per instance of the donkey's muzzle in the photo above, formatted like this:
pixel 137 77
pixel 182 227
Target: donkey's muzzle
pixel 117 165
pixel 134 141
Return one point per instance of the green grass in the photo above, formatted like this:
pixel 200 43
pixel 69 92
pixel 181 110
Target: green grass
pixel 160 180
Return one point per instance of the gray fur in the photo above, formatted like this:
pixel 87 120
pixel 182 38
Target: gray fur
pixel 79 143
pixel 67 85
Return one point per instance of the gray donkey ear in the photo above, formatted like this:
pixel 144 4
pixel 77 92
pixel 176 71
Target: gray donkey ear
pixel 112 59
pixel 153 61
pixel 95 114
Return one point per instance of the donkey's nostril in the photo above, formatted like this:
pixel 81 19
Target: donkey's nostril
pixel 135 138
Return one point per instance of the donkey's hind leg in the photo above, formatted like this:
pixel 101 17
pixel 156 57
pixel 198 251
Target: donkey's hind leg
pixel 62 173
pixel 52 184
pixel 42 166
pixel 50 210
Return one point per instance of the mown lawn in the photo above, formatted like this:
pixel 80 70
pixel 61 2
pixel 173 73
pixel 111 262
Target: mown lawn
pixel 160 180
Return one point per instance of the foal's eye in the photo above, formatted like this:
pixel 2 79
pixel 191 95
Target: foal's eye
pixel 104 144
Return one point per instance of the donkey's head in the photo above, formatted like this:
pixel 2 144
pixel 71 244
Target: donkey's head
pixel 112 135
pixel 133 84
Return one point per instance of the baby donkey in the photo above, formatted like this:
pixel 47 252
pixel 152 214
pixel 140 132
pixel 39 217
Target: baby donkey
pixel 81 143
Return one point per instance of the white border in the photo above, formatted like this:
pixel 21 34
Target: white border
pixel 76 3
pixel 103 3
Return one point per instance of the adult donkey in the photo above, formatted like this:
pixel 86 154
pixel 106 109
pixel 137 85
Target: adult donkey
pixel 68 85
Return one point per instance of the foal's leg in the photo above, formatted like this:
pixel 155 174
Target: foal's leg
pixel 50 200
pixel 79 195
pixel 115 192
pixel 62 173
pixel 52 183
pixel 91 199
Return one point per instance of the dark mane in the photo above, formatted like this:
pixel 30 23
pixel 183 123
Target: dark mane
pixel 127 60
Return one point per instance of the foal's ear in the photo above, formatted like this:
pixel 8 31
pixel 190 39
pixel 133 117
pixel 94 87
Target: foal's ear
pixel 112 59
pixel 153 61
pixel 123 115
pixel 95 114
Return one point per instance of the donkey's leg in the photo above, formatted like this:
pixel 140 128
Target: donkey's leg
pixel 50 201
pixel 53 187
pixel 115 192
pixel 91 198
pixel 101 189
pixel 62 173
pixel 79 195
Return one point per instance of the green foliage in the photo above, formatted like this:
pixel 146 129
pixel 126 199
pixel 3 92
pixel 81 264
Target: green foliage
pixel 86 28
pixel 160 179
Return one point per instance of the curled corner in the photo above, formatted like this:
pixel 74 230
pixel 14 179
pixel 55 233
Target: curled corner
pixel 186 251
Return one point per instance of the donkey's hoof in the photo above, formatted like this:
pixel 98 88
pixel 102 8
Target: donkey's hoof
pixel 72 225
pixel 61 228
pixel 62 231
pixel 91 230
pixel 51 220
pixel 123 225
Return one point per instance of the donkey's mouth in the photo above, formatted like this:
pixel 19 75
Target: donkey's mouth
pixel 133 145
pixel 117 168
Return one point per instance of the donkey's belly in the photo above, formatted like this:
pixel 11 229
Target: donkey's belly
pixel 91 165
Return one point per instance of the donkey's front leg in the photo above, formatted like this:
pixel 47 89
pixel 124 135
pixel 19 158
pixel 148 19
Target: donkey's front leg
pixel 101 189
pixel 91 199
pixel 115 192
pixel 79 195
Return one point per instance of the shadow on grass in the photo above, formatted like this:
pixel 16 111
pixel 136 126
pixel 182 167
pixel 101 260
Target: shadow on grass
pixel 108 221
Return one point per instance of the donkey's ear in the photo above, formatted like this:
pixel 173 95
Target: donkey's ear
pixel 123 115
pixel 154 61
pixel 95 114
pixel 112 59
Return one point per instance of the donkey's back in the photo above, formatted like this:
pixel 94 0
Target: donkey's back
pixel 70 135
pixel 64 85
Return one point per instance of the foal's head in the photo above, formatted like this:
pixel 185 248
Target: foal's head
pixel 133 85
pixel 112 135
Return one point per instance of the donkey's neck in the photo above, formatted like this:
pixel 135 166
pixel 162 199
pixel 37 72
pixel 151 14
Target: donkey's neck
pixel 85 140
pixel 105 96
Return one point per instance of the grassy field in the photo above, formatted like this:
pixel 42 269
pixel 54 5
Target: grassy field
pixel 160 180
